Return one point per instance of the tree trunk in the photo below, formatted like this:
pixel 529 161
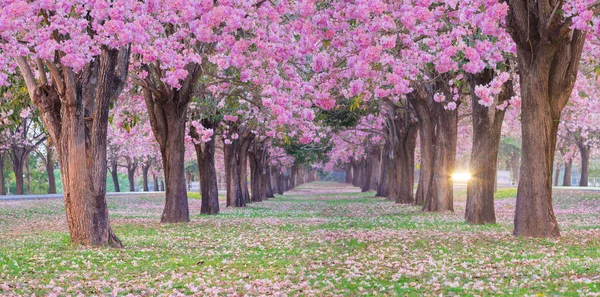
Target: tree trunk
pixel 176 204
pixel 246 140
pixel 567 175
pixel 27 174
pixel 405 161
pixel 115 175
pixel 440 194
pixel 383 176
pixel 280 182
pixel 376 168
pixel 269 187
pixel 167 111
pixel 421 102
pixel 2 180
pixel 355 174
pixel 293 176
pixel 255 181
pixel 273 180
pixel 155 183
pixel 18 161
pixel 162 185
pixel 514 164
pixel 348 177
pixel 50 171
pixel 368 174
pixel 235 197
pixel 584 150
pixel 131 168
pixel 209 188
pixel 77 121
pixel 548 55
pixel 145 170
pixel 557 174
pixel 487 127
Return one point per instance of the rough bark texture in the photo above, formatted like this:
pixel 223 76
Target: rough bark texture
pixel 441 190
pixel 50 170
pixel 422 102
pixel 401 133
pixel 584 151
pixel 256 176
pixel 2 180
pixel 74 109
pixel 27 175
pixel 246 141
pixel 115 175
pixel 131 168
pixel 269 187
pixel 487 127
pixel 382 189
pixel 235 197
pixel 567 175
pixel 145 171
pixel 18 162
pixel 209 188
pixel 167 111
pixel 515 161
pixel 368 173
pixel 405 162
pixel 548 52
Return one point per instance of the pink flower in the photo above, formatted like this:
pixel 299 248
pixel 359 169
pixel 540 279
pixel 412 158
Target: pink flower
pixel 439 97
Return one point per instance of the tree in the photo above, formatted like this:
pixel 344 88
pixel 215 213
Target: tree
pixel 549 36
pixel 87 70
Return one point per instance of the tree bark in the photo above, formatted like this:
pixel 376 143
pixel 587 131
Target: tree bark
pixel 514 164
pixel 246 141
pixel 382 189
pixel 50 170
pixel 18 162
pixel 115 175
pixel 405 162
pixel 441 190
pixel 77 122
pixel 167 111
pixel 235 197
pixel 376 168
pixel 2 180
pixel 293 177
pixel 584 150
pixel 368 173
pixel 567 175
pixel 548 55
pixel 145 171
pixel 280 182
pixel 209 188
pixel 348 178
pixel 269 187
pixel 27 173
pixel 255 180
pixel 421 102
pixel 131 168
pixel 355 173
pixel 487 127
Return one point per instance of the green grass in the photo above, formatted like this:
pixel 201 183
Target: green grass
pixel 321 239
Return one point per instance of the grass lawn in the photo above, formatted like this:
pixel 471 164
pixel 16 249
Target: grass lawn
pixel 322 239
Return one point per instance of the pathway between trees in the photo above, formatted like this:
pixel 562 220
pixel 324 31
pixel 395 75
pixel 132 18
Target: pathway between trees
pixel 321 239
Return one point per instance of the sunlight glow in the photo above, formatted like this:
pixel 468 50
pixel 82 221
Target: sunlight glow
pixel 461 176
